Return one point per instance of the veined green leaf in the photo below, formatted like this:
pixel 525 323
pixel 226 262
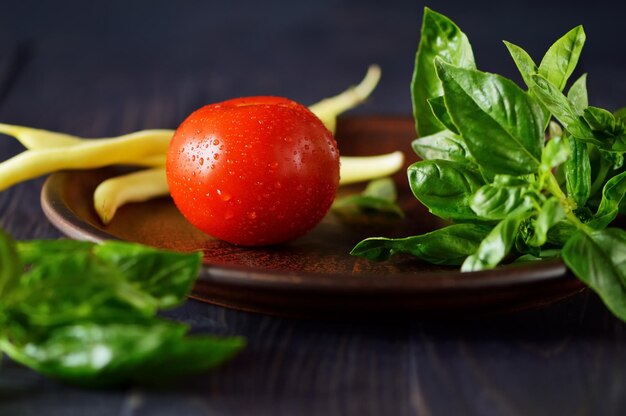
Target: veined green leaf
pixel 443 145
pixel 607 127
pixel 523 61
pixel 449 245
pixel 438 107
pixel 10 265
pixel 599 260
pixel 496 244
pixel 556 152
pixel 502 125
pixel 495 202
pixel 440 37
pixel 577 95
pixel 577 170
pixel 166 275
pixel 612 194
pixel 107 354
pixel 549 215
pixel 376 203
pixel 445 187
pixel 561 59
pixel 562 109
pixel 620 114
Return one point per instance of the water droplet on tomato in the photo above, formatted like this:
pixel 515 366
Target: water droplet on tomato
pixel 278 185
pixel 229 215
pixel 224 196
pixel 216 156
pixel 201 161
pixel 193 158
pixel 273 165
pixel 216 142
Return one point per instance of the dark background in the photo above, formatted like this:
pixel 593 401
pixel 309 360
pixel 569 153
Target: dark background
pixel 99 68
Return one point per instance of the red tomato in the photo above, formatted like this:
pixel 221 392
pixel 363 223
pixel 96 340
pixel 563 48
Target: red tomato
pixel 253 171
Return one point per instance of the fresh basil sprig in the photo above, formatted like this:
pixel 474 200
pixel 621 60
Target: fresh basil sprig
pixel 85 313
pixel 524 173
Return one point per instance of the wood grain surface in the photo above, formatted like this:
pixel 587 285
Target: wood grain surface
pixel 111 67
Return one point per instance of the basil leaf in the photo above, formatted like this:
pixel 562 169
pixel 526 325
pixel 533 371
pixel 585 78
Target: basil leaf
pixel 577 95
pixel 10 266
pixel 496 244
pixel 383 188
pixel 166 276
pixel 612 194
pixel 562 109
pixel 445 187
pixel 620 114
pixel 440 37
pixel 76 287
pixel 444 145
pixel 599 260
pixel 438 107
pixel 549 215
pixel 523 61
pixel 162 277
pixel 501 125
pixel 577 170
pixel 102 355
pixel 555 152
pixel 449 245
pixel 561 59
pixel 495 202
pixel 375 204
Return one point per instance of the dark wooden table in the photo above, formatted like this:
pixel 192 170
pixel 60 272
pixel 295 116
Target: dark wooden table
pixel 103 68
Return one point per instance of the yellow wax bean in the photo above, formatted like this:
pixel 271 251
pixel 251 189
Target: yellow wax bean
pixel 365 168
pixel 127 149
pixel 328 109
pixel 133 187
pixel 32 138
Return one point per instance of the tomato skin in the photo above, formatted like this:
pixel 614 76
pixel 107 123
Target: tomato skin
pixel 253 171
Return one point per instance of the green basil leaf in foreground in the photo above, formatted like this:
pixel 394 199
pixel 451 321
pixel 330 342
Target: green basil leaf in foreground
pixel 445 187
pixel 10 266
pixel 167 276
pixel 599 260
pixel 561 59
pixel 440 37
pixel 449 245
pixel 102 355
pixel 86 313
pixel 77 287
pixel 444 145
pixel 502 125
pixel 496 244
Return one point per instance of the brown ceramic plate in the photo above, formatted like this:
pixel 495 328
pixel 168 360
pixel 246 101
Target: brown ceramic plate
pixel 315 275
